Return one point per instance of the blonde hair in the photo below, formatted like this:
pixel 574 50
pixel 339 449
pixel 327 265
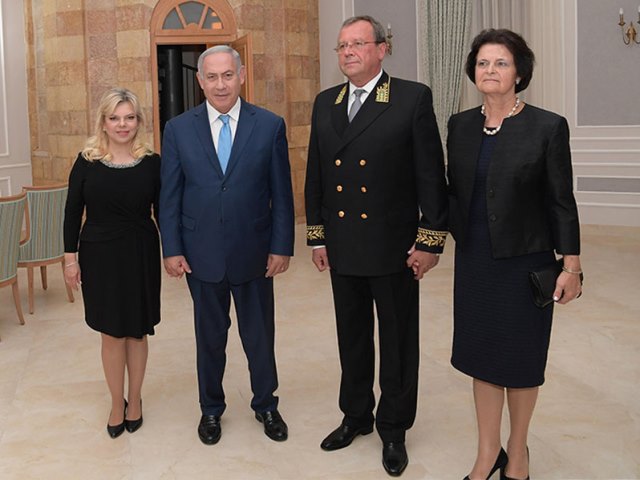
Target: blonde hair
pixel 97 146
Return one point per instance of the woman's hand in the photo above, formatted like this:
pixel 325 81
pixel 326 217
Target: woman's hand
pixel 72 275
pixel 569 283
pixel 421 262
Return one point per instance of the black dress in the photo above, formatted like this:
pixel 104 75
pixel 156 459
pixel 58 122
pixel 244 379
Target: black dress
pixel 500 336
pixel 119 249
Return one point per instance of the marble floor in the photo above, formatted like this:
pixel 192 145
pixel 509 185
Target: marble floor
pixel 54 402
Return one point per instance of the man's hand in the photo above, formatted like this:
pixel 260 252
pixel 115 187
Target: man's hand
pixel 176 266
pixel 276 264
pixel 421 262
pixel 320 259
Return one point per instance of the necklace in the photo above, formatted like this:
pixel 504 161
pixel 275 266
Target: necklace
pixel 120 165
pixel 493 131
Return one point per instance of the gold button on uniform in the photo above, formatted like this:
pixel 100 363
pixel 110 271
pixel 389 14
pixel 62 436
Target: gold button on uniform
pixel 363 189
pixel 341 214
pixel 363 162
pixel 338 162
pixel 363 216
pixel 339 188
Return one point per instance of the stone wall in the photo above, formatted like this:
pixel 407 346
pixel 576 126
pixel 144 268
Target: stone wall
pixel 80 48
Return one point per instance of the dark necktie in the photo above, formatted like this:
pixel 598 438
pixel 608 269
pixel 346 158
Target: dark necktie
pixel 224 142
pixel 356 104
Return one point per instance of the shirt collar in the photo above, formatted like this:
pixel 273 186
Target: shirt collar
pixel 234 113
pixel 367 87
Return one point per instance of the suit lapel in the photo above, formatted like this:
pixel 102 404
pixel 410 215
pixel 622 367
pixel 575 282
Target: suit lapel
pixel 470 148
pixel 246 122
pixel 376 103
pixel 203 132
pixel 339 111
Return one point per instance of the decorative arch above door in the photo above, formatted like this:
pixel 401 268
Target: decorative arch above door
pixel 195 22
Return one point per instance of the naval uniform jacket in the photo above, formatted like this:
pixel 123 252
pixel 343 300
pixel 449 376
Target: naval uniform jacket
pixel 529 193
pixel 375 186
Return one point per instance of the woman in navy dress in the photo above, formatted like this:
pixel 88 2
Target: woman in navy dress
pixel 512 210
pixel 115 181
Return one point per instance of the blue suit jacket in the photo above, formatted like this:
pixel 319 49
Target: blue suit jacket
pixel 226 224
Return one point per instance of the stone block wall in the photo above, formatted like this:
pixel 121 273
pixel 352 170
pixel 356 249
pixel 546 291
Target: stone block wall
pixel 80 48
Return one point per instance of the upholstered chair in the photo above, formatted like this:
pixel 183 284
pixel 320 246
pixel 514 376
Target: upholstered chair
pixel 44 243
pixel 12 210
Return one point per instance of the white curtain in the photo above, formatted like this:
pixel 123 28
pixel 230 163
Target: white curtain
pixel 509 14
pixel 444 27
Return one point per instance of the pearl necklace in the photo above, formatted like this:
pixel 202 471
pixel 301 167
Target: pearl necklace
pixel 497 129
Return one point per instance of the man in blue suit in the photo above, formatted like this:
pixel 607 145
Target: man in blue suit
pixel 226 218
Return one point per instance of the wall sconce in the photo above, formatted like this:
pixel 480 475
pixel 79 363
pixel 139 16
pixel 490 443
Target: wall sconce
pixel 630 33
pixel 389 37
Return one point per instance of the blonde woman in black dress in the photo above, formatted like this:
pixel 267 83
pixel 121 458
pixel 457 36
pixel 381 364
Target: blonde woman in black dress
pixel 512 210
pixel 115 254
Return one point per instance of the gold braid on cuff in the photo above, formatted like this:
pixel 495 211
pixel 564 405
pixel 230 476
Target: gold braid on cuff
pixel 315 232
pixel 431 238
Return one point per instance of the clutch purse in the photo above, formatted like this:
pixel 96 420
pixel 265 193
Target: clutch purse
pixel 543 283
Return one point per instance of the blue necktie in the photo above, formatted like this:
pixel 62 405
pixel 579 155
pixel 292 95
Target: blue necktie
pixel 224 142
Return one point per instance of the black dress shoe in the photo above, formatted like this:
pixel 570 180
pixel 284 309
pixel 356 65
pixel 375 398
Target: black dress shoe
pixel 500 463
pixel 209 429
pixel 503 475
pixel 133 425
pixel 274 426
pixel 115 431
pixel 343 436
pixel 394 458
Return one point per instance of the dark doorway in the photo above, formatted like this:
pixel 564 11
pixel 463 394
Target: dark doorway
pixel 178 88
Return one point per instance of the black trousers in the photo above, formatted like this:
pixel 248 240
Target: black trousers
pixel 395 298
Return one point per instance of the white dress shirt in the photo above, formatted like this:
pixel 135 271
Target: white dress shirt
pixel 367 87
pixel 216 124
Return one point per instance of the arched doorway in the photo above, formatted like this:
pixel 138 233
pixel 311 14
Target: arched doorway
pixel 180 31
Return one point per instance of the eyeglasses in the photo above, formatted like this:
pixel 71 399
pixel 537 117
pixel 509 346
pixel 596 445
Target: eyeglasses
pixel 357 45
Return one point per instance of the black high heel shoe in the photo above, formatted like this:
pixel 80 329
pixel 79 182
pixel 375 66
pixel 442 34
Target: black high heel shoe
pixel 115 431
pixel 133 425
pixel 500 464
pixel 503 476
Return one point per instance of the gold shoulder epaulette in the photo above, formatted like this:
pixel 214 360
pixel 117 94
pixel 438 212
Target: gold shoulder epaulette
pixel 431 238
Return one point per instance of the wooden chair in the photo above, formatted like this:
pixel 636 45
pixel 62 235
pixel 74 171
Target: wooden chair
pixel 44 244
pixel 12 210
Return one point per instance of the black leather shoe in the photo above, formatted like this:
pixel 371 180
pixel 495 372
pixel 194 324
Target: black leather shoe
pixel 503 475
pixel 343 436
pixel 274 426
pixel 115 431
pixel 500 464
pixel 209 429
pixel 394 458
pixel 133 425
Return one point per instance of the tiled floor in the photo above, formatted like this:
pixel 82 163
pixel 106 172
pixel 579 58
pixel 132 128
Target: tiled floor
pixel 54 402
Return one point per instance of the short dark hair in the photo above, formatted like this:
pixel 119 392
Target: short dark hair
pixel 378 30
pixel 522 55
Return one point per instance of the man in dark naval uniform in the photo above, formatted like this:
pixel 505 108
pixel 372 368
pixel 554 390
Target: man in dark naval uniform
pixel 376 208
